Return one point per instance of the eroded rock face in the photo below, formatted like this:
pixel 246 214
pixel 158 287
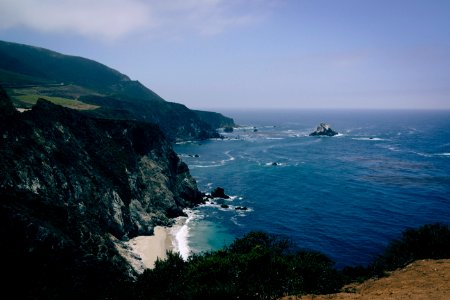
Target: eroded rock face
pixel 324 129
pixel 125 171
pixel 70 185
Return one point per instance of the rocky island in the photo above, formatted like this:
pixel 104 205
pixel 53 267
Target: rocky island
pixel 324 129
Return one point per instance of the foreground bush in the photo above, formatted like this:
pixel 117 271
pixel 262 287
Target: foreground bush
pixel 431 241
pixel 257 266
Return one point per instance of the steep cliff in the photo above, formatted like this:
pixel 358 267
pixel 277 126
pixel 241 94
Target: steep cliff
pixel 70 186
pixel 31 72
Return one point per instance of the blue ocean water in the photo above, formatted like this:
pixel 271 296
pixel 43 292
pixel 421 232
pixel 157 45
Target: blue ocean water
pixel 346 196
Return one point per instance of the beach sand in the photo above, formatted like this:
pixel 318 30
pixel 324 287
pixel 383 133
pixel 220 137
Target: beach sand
pixel 142 252
pixel 150 248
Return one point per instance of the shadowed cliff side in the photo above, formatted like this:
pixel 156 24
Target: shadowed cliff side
pixel 29 72
pixel 70 186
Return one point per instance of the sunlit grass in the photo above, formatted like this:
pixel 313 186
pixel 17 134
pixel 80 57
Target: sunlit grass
pixel 31 99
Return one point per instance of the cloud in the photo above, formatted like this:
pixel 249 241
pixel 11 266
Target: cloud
pixel 114 19
pixel 108 19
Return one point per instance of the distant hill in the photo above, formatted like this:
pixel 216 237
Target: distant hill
pixel 29 73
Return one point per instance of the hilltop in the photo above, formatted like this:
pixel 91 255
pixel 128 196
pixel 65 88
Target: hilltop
pixel 29 73
pixel 422 279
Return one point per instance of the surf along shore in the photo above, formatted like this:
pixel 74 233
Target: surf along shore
pixel 142 252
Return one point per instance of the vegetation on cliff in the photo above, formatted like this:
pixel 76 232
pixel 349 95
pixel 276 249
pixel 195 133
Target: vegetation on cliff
pixel 30 73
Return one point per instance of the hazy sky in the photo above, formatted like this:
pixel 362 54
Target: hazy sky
pixel 255 53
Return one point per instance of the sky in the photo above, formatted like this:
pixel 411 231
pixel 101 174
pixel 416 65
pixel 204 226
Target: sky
pixel 211 54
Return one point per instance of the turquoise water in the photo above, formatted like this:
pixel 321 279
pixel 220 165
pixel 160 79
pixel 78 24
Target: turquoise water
pixel 345 196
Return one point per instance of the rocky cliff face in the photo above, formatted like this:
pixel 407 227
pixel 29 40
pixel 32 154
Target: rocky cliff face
pixel 113 94
pixel 70 185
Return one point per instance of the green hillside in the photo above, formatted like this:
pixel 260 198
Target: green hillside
pixel 29 73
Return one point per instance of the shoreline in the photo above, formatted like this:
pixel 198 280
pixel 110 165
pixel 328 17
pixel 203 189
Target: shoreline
pixel 150 248
pixel 142 252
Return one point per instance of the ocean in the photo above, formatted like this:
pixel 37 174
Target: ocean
pixel 346 196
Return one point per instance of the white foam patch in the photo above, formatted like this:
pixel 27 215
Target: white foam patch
pixel 205 166
pixel 369 139
pixel 444 154
pixel 181 233
pixel 230 157
pixel 422 154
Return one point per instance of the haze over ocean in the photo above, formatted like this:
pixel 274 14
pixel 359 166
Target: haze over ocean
pixel 346 196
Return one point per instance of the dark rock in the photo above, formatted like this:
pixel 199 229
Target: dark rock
pixel 241 208
pixel 224 206
pixel 228 129
pixel 219 193
pixel 174 212
pixel 275 164
pixel 71 187
pixel 7 109
pixel 324 130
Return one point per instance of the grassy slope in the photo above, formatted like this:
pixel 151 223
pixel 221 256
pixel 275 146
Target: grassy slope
pixel 29 72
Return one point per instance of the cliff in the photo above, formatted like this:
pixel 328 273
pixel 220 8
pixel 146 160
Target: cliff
pixel 30 73
pixel 71 186
pixel 216 120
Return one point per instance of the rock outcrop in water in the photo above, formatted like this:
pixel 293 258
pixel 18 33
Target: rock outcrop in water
pixel 324 129
pixel 71 187
pixel 219 193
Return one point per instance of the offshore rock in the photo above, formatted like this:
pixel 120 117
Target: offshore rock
pixel 219 193
pixel 324 129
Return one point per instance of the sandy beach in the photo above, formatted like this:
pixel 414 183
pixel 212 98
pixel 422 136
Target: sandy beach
pixel 150 248
pixel 143 251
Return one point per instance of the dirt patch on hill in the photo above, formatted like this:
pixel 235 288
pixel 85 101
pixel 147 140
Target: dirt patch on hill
pixel 423 279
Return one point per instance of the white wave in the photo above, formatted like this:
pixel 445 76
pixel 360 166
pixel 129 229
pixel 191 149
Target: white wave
pixel 369 139
pixel 181 233
pixel 205 166
pixel 443 154
pixel 230 157
pixel 184 142
pixel 422 154
pixel 394 149
pixel 274 138
pixel 339 135
pixel 235 222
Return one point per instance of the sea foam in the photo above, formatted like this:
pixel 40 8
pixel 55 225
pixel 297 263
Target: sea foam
pixel 181 233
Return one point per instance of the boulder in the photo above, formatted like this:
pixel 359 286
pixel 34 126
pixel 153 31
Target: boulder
pixel 241 208
pixel 228 129
pixel 324 129
pixel 219 193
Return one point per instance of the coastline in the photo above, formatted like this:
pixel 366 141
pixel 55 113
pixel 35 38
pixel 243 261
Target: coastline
pixel 150 248
pixel 142 252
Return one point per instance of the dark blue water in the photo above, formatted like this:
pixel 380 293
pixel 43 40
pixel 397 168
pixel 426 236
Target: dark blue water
pixel 346 196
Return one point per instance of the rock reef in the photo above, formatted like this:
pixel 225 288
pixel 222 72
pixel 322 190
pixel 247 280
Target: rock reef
pixel 324 129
